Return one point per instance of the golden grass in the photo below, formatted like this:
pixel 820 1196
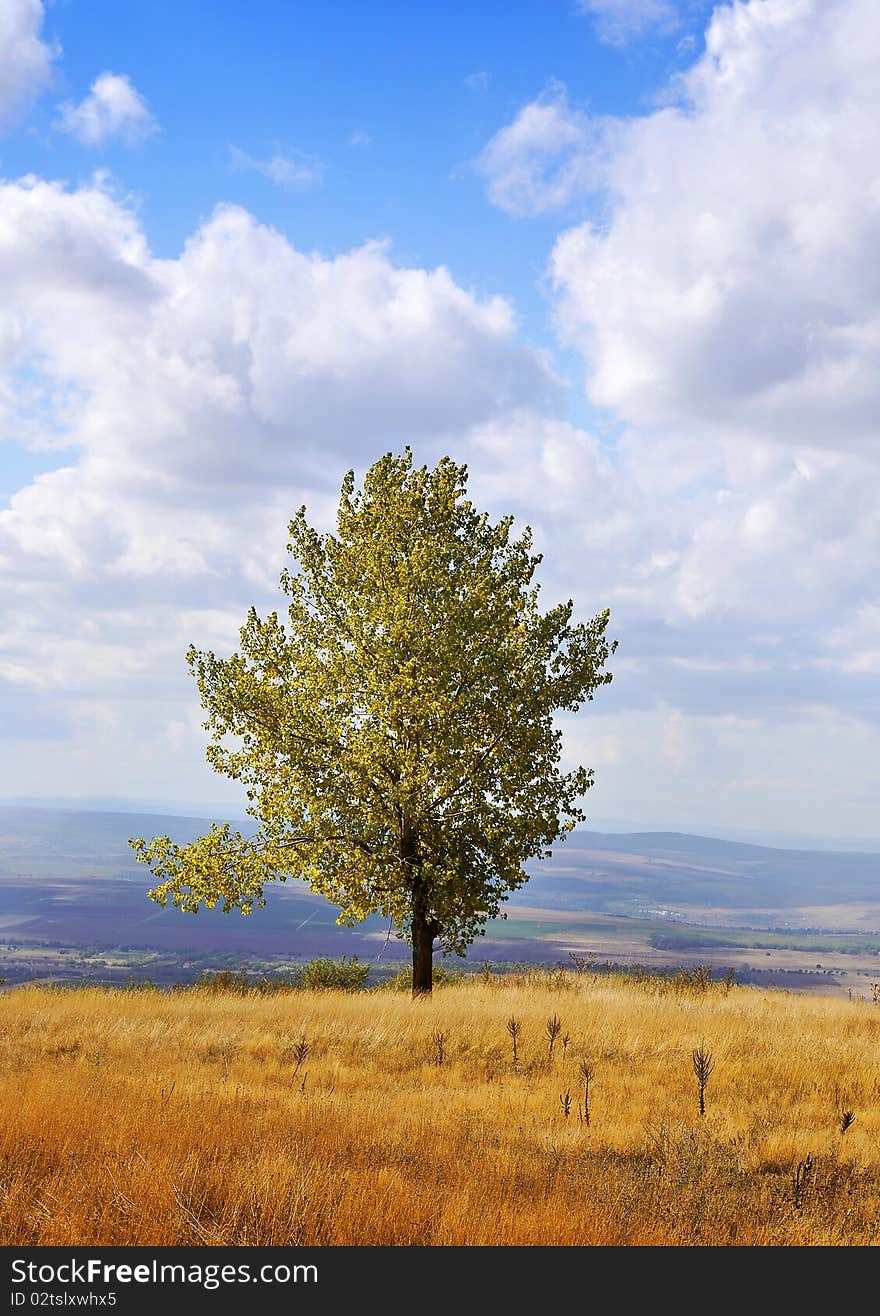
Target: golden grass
pixel 145 1118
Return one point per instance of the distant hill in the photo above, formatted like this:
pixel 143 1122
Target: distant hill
pixel 608 871
pixel 54 842
pixel 70 886
pixel 588 870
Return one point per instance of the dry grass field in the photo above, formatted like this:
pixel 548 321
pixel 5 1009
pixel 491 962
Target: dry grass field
pixel 332 1118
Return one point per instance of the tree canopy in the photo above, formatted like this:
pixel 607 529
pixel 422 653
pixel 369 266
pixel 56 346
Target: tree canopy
pixel 395 734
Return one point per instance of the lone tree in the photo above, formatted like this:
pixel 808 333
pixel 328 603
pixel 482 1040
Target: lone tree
pixel 396 735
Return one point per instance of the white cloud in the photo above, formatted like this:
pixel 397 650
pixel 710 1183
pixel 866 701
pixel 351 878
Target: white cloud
pixel 731 526
pixel 293 169
pixel 477 81
pixel 217 391
pixel 212 394
pixel 618 21
pixel 721 559
pixel 725 307
pixel 812 771
pixel 113 109
pixel 549 154
pixel 732 289
pixel 25 59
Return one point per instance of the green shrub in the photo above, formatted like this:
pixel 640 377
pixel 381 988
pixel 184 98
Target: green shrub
pixel 345 975
pixel 402 979
pixel 222 982
pixel 279 982
pixel 236 982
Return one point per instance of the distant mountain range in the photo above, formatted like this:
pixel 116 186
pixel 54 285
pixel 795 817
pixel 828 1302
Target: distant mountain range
pixel 603 871
pixel 71 892
pixel 635 871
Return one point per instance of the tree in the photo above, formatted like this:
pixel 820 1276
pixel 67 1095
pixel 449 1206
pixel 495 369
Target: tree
pixel 396 736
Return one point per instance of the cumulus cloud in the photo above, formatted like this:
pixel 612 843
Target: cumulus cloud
pixel 715 564
pixel 210 396
pixel 114 108
pixel 292 169
pixel 732 287
pixel 549 154
pixel 814 770
pixel 254 350
pixel 724 303
pixel 724 509
pixel 217 391
pixel 618 21
pixel 25 59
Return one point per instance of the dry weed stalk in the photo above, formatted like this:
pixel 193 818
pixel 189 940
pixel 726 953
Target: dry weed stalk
pixel 802 1172
pixel 552 1028
pixel 440 1045
pixel 514 1028
pixel 586 1076
pixel 300 1051
pixel 703 1066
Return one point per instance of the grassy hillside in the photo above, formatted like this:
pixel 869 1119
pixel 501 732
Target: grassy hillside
pixel 326 1118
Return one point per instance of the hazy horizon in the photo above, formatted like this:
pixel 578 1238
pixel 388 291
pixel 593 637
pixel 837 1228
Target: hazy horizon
pixel 204 809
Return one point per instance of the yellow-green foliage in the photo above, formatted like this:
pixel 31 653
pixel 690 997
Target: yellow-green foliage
pixel 325 1118
pixel 396 731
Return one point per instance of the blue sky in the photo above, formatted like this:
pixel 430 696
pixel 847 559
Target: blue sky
pixel 388 107
pixel 393 100
pixel 617 255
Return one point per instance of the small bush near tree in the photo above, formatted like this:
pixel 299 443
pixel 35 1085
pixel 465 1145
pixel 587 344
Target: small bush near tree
pixel 345 975
pixel 403 978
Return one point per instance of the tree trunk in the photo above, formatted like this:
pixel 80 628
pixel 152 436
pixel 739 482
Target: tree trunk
pixel 424 930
